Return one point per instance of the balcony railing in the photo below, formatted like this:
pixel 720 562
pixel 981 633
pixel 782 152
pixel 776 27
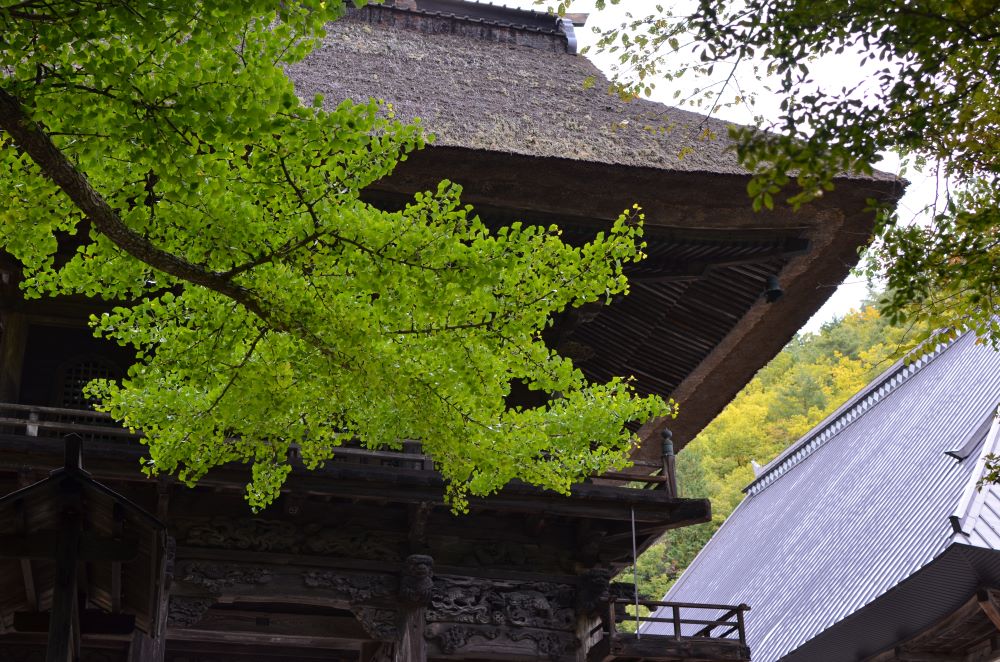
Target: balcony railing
pixel 36 421
pixel 57 422
pixel 669 631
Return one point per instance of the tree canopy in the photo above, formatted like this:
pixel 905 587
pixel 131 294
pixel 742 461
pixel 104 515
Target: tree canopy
pixel 924 85
pixel 154 154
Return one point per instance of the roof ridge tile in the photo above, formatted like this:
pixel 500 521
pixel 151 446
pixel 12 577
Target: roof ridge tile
pixel 890 380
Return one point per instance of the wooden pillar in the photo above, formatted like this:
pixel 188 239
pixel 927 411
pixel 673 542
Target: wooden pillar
pixel 64 623
pixel 593 594
pixel 158 647
pixel 412 646
pixel 583 627
pixel 141 649
pixel 415 587
pixel 377 651
pixel 669 460
pixel 13 339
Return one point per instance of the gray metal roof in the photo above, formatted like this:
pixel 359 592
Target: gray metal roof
pixel 859 504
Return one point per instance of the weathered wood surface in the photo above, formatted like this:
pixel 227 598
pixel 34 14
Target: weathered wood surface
pixel 219 581
pixel 13 339
pixel 968 634
pixel 142 649
pixel 264 640
pixel 412 644
pixel 655 648
pixel 45 545
pixel 519 533
pixel 451 641
pixel 110 461
pixel 63 643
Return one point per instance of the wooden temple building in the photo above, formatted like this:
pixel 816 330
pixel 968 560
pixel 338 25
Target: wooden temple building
pixel 361 560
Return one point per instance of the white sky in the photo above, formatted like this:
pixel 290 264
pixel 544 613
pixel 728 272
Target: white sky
pixel 834 72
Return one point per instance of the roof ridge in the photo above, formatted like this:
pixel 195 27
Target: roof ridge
pixel 894 377
pixel 480 14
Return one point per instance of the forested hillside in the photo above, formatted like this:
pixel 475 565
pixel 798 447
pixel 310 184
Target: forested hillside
pixel 808 380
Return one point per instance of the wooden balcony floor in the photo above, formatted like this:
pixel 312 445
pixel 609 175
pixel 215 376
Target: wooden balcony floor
pixel 624 647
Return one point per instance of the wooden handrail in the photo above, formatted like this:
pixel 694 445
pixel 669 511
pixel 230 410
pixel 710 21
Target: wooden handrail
pixel 639 478
pixel 67 426
pixel 36 418
pixel 686 605
pixel 64 411
pixel 687 621
pixel 707 631
pixel 729 622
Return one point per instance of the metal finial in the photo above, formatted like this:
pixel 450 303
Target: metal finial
pixel 668 441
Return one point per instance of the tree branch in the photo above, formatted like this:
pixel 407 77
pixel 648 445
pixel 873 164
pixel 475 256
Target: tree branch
pixel 54 165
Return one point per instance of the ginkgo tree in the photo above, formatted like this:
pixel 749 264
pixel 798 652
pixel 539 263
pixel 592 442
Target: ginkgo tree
pixel 270 306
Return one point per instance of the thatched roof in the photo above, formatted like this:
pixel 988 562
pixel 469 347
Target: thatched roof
pixel 479 82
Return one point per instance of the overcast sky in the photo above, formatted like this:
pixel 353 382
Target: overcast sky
pixel 835 72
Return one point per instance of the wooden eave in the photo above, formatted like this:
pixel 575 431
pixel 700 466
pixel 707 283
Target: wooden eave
pixel 677 206
pixel 969 634
pixel 697 334
pixel 595 517
pixel 116 531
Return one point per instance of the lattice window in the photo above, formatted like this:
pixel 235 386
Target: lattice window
pixel 77 374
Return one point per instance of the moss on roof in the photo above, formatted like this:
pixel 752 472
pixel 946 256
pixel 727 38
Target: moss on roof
pixel 504 91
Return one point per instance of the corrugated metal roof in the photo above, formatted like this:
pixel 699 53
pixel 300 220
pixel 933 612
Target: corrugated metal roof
pixel 950 580
pixel 977 518
pixel 846 414
pixel 843 521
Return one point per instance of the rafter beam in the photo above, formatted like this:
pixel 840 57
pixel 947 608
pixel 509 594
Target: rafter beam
pixel 989 606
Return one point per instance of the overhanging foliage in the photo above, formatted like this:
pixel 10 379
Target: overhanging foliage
pixel 163 143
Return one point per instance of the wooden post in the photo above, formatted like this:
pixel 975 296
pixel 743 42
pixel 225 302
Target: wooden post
pixel 668 463
pixel 13 342
pixel 64 616
pixel 740 624
pixel 415 586
pixel 376 651
pixel 27 572
pixel 158 647
pixel 583 637
pixel 64 621
pixel 140 649
pixel 118 513
pixel 677 621
pixel 412 646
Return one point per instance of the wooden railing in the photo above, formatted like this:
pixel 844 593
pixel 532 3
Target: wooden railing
pixel 39 421
pixel 35 421
pixel 721 621
pixel 648 476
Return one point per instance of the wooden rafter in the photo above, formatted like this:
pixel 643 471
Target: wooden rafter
pixel 988 603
